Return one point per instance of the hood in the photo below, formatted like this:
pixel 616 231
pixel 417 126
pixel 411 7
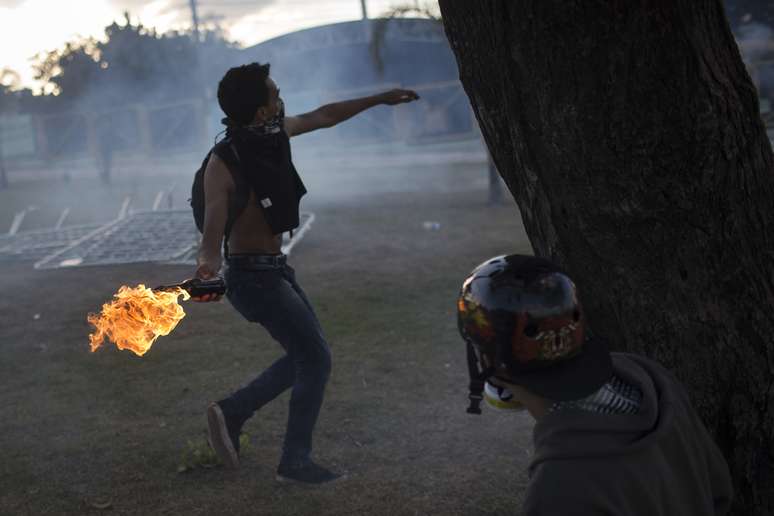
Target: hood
pixel 568 434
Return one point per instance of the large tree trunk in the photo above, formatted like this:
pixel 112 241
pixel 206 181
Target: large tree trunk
pixel 630 137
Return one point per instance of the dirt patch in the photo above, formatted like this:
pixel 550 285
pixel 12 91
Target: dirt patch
pixel 86 432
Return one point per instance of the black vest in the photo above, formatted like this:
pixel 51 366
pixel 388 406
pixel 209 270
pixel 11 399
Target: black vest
pixel 264 165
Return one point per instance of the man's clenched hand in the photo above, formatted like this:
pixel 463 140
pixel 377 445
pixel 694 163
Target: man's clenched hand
pixel 207 270
pixel 398 96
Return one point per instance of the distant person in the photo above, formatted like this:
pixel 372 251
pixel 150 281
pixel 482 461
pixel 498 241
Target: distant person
pixel 254 160
pixel 615 434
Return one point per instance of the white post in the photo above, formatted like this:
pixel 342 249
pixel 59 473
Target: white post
pixel 124 207
pixel 18 218
pixel 62 218
pixel 157 201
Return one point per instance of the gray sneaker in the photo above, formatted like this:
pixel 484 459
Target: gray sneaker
pixel 223 436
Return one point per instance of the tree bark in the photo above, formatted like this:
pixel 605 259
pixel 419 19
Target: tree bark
pixel 630 137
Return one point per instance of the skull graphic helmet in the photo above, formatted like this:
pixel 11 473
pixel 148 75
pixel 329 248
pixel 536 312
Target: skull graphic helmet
pixel 521 317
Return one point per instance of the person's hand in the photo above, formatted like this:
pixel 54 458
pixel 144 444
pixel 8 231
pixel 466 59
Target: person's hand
pixel 398 96
pixel 207 298
pixel 207 270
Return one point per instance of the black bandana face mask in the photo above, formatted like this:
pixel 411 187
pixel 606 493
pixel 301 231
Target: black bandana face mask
pixel 273 125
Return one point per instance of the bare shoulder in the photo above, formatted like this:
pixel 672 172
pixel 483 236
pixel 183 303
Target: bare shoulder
pixel 217 174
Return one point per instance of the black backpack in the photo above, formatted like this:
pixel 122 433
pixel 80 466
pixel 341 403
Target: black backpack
pixel 237 202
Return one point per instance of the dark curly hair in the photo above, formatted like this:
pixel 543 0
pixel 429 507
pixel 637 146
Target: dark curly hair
pixel 242 90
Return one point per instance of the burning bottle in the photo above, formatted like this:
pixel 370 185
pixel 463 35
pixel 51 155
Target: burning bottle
pixel 136 317
pixel 197 287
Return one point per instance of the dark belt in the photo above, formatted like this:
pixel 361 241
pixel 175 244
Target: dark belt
pixel 250 261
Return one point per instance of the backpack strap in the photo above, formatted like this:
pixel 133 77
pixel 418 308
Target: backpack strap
pixel 237 204
pixel 234 150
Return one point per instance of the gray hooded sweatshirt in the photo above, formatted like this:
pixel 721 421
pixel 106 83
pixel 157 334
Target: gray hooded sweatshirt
pixel 660 461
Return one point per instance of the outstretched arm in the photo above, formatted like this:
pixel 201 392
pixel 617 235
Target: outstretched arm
pixel 332 114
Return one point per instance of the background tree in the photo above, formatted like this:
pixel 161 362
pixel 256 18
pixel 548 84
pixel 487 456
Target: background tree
pixel 629 135
pixel 133 63
pixel 415 9
pixel 69 72
pixel 139 63
pixel 7 78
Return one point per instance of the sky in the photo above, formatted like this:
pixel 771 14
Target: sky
pixel 28 27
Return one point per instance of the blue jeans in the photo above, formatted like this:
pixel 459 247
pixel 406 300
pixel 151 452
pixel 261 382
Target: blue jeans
pixel 270 295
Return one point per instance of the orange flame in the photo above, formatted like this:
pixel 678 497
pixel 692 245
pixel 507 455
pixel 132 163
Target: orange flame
pixel 136 318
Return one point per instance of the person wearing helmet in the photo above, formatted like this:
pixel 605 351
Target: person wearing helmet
pixel 615 433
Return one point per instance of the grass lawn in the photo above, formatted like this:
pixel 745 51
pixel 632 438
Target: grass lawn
pixel 89 432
